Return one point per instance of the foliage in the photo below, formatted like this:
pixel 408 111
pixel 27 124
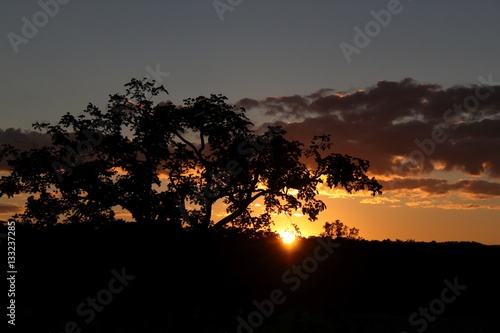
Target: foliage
pixel 338 229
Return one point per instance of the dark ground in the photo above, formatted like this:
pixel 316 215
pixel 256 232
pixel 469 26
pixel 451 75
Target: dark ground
pixel 179 282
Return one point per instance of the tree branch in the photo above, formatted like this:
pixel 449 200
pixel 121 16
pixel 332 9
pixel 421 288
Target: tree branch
pixel 238 211
pixel 193 148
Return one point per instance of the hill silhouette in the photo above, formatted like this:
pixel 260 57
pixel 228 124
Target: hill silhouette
pixel 177 281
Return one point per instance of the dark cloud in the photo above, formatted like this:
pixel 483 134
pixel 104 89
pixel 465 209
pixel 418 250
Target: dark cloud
pixel 247 103
pixel 320 93
pixel 392 123
pixel 478 188
pixel 287 105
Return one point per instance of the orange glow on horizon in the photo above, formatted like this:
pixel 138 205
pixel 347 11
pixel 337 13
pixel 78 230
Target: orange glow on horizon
pixel 287 237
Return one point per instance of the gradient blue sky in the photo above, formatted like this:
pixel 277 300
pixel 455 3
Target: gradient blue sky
pixel 262 48
pixel 90 49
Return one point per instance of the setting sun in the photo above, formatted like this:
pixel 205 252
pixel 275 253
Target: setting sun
pixel 287 237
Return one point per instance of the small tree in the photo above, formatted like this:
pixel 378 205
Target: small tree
pixel 338 229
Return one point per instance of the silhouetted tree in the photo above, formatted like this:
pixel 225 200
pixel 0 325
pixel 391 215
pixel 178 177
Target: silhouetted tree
pixel 338 229
pixel 173 163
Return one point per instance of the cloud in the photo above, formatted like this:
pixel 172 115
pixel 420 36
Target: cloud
pixel 425 203
pixel 10 208
pixel 247 103
pixel 480 189
pixel 392 123
pixel 285 105
pixel 467 206
pixel 379 200
pixel 450 206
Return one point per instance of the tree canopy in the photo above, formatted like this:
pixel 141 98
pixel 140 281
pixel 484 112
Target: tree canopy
pixel 173 164
pixel 338 229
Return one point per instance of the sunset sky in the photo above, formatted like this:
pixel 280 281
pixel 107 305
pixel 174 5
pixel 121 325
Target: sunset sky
pixel 420 85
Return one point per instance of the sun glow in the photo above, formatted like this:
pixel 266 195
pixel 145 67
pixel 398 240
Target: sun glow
pixel 287 237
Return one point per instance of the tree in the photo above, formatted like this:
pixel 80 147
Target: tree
pixel 338 229
pixel 167 163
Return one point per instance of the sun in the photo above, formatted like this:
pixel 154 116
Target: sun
pixel 287 237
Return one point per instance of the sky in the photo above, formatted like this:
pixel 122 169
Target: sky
pixel 379 76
